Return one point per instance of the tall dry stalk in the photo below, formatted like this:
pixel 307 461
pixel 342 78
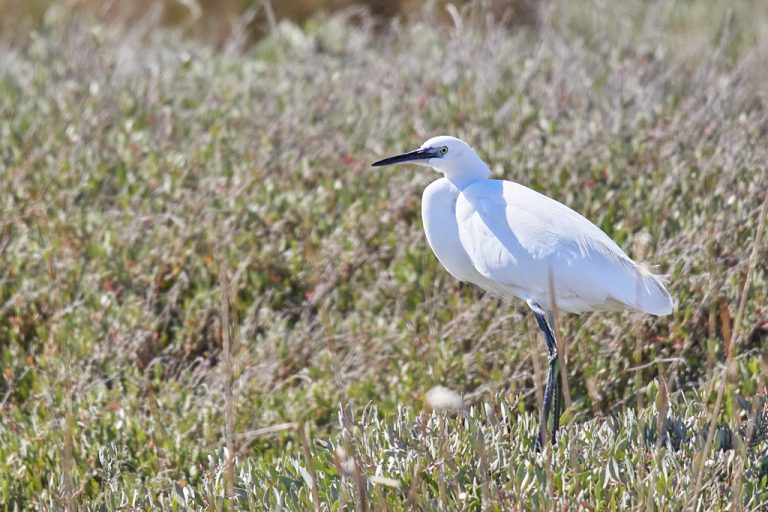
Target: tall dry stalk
pixel 67 460
pixel 226 336
pixel 730 341
pixel 562 346
pixel 562 349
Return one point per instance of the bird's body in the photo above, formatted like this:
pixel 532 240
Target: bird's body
pixel 509 240
pixel 517 243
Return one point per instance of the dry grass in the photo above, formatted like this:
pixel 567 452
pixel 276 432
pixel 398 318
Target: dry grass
pixel 136 163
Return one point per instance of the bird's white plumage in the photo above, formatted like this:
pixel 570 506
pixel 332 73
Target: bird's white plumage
pixel 515 242
pixel 517 238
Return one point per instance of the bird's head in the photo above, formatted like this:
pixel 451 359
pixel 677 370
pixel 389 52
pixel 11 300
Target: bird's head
pixel 451 156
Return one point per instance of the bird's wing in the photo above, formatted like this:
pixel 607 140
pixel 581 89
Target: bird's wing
pixel 519 238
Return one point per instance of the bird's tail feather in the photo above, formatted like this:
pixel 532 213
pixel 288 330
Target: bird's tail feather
pixel 651 296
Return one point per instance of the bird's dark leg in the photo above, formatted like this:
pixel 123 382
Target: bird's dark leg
pixel 552 389
pixel 558 397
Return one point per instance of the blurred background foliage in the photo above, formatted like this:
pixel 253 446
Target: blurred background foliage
pixel 216 20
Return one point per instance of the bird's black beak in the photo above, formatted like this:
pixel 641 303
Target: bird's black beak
pixel 419 154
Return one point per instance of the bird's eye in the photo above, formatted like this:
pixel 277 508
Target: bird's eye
pixel 443 150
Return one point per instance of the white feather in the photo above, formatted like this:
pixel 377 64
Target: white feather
pixel 517 238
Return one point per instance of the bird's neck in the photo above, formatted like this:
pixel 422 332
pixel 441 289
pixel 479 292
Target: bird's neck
pixel 467 171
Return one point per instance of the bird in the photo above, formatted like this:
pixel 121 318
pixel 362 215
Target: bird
pixel 521 245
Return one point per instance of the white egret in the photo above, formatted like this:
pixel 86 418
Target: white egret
pixel 517 243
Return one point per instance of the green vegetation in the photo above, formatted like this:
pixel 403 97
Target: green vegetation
pixel 142 173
